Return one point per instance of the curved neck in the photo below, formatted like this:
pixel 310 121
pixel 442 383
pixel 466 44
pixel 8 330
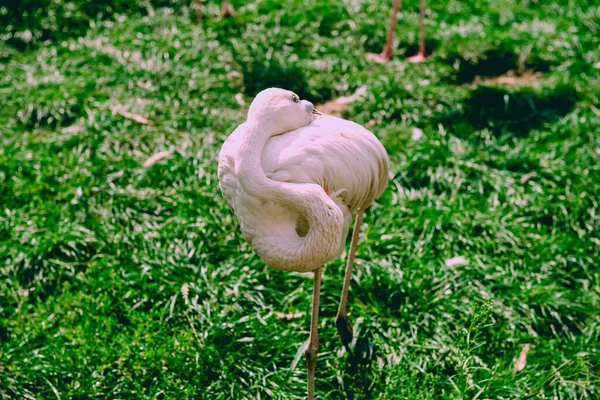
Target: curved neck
pixel 252 177
pixel 325 219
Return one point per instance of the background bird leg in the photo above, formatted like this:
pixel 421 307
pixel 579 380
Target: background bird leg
pixel 198 7
pixel 386 54
pixel 313 339
pixel 421 54
pixel 344 326
pixel 226 10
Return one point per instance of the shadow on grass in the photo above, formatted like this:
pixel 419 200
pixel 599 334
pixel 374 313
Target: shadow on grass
pixel 494 62
pixel 359 365
pixel 30 23
pixel 502 109
pixel 260 74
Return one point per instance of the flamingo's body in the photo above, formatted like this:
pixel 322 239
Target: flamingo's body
pixel 295 178
pixel 342 157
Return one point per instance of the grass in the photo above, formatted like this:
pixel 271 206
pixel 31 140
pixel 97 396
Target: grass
pixel 125 281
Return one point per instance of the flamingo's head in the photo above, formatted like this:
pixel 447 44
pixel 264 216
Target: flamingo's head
pixel 282 110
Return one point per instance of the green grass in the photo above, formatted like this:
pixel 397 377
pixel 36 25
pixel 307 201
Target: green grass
pixel 121 281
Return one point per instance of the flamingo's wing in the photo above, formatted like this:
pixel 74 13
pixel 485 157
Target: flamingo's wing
pixel 338 155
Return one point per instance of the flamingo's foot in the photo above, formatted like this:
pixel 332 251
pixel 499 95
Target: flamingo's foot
pixel 417 58
pixel 379 58
pixel 226 12
pixel 345 330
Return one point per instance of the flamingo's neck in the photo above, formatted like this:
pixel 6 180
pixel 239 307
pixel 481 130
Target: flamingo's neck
pixel 251 174
pixel 324 217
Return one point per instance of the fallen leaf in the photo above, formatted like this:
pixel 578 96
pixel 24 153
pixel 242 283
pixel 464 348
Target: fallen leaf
pixel 528 176
pixel 156 156
pixel 331 108
pixel 417 134
pixel 128 115
pixel 144 85
pixel 522 359
pixel 289 316
pixel 240 99
pixel 336 107
pixel 234 74
pixel 459 260
pixel 526 78
pixel 349 99
pixel 72 129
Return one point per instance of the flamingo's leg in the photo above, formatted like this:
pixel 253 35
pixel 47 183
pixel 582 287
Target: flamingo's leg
pixel 198 7
pixel 226 10
pixel 313 340
pixel 421 54
pixel 386 54
pixel 344 326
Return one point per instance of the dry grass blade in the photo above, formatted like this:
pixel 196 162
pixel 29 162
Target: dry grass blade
pixel 336 107
pixel 528 176
pixel 136 117
pixel 416 134
pixel 458 260
pixel 289 316
pixel 513 78
pixel 156 157
pixel 521 360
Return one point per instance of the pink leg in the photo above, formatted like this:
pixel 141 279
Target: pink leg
pixel 313 340
pixel 421 54
pixel 198 7
pixel 342 323
pixel 226 10
pixel 386 54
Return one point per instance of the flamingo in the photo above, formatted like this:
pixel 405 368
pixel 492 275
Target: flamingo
pixel 295 178
pixel 386 54
pixel 226 10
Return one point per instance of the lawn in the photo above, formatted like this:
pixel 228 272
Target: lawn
pixel 124 277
